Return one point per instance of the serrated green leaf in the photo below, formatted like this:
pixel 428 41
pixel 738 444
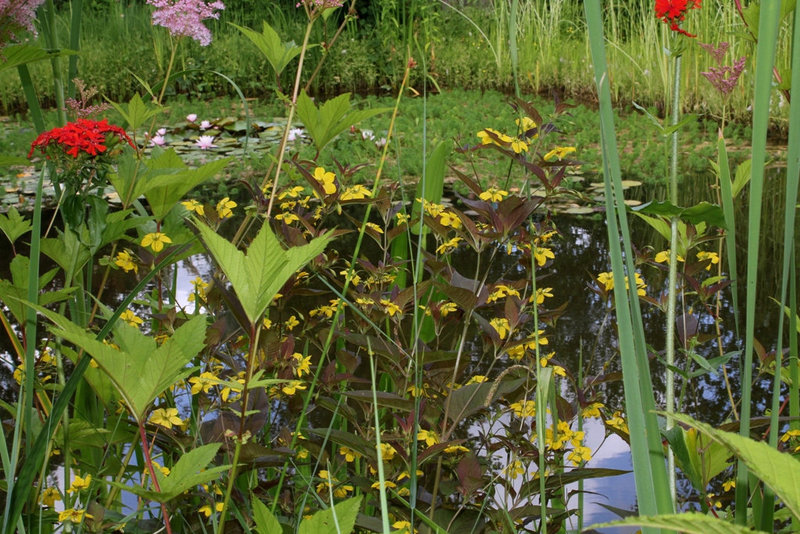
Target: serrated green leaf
pixel 163 191
pixel 266 523
pixel 257 276
pixel 331 118
pixel 278 53
pixel 140 369
pixel 136 112
pixel 342 518
pixel 779 471
pixel 688 522
pixel 14 225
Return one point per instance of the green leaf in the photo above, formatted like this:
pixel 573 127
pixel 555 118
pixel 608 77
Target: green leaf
pixel 189 471
pixel 278 53
pixel 141 369
pixel 22 54
pixel 703 212
pixel 472 398
pixel 341 518
pixel 164 189
pixel 330 119
pixel 743 171
pixel 779 471
pixel 257 276
pixel 14 225
pixel 688 522
pixel 14 292
pixel 136 112
pixel 266 523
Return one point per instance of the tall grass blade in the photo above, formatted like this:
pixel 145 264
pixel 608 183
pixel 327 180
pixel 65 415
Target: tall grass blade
pixel 792 169
pixel 726 195
pixel 765 59
pixel 652 485
pixel 74 44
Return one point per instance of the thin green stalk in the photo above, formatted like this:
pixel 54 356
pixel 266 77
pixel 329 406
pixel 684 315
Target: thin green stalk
pixel 49 23
pixel 512 44
pixel 769 17
pixel 76 7
pixel 672 283
pixel 31 98
pixel 652 484
pixel 378 451
pixel 792 170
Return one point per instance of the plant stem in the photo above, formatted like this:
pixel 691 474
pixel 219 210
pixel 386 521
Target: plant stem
pixel 672 283
pixel 149 462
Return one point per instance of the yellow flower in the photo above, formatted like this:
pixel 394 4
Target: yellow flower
pixel 428 436
pixel 124 259
pixel 525 124
pixel 514 469
pixel 80 484
pixel 499 139
pixel 390 308
pixel 728 485
pixel 327 179
pixel 518 146
pixel 291 387
pixel 356 192
pixel 302 364
pixel 449 245
pixel 790 434
pixel 493 195
pixel 206 509
pixel 450 219
pixel 195 206
pixel 287 217
pixel 402 218
pixel 593 410
pixel 559 152
pixel 166 417
pixel 524 408
pixel 49 497
pixel 541 254
pixel 225 208
pixel 73 515
pixel 203 383
pixel 387 451
pixel 402 527
pixel 454 449
pixel 663 257
pixel 501 326
pixel 349 454
pixel 447 307
pixel 618 423
pixel 386 484
pixel 431 208
pixel 541 294
pixel 579 455
pixel 156 241
pixel 290 323
pixel 374 227
pixel 502 291
pixel 129 317
pixel 292 192
pixel 164 470
pixel 477 379
pixel 711 257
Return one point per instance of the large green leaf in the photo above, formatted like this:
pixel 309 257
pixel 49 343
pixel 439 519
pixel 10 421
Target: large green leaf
pixel 22 54
pixel 141 369
pixel 168 179
pixel 136 112
pixel 278 53
pixel 266 523
pixel 14 225
pixel 325 521
pixel 257 276
pixel 189 471
pixel 14 292
pixel 689 522
pixel 779 471
pixel 331 118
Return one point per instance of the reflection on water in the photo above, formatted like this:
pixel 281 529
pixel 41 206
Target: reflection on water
pixel 583 336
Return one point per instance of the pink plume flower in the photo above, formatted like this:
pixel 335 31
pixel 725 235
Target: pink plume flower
pixel 16 15
pixel 185 17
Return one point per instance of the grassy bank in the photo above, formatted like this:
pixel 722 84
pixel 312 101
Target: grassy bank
pixel 466 47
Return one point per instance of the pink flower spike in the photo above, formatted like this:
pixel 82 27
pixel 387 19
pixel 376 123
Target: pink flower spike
pixel 204 142
pixel 158 140
pixel 185 17
pixel 205 125
pixel 191 117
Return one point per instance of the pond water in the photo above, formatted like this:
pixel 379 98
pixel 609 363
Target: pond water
pixel 583 335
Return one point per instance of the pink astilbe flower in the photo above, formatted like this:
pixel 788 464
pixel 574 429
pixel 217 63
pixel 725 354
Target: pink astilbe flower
pixel 15 16
pixel 722 77
pixel 185 17
pixel 321 4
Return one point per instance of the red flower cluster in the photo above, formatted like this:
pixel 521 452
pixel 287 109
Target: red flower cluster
pixel 84 135
pixel 672 12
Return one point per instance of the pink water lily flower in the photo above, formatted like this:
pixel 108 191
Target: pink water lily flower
pixel 204 142
pixel 161 131
pixel 191 117
pixel 158 140
pixel 205 125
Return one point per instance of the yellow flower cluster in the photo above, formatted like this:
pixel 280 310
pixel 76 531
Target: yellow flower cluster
pixel 606 279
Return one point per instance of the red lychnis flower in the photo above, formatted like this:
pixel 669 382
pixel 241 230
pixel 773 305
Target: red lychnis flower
pixel 83 135
pixel 672 12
